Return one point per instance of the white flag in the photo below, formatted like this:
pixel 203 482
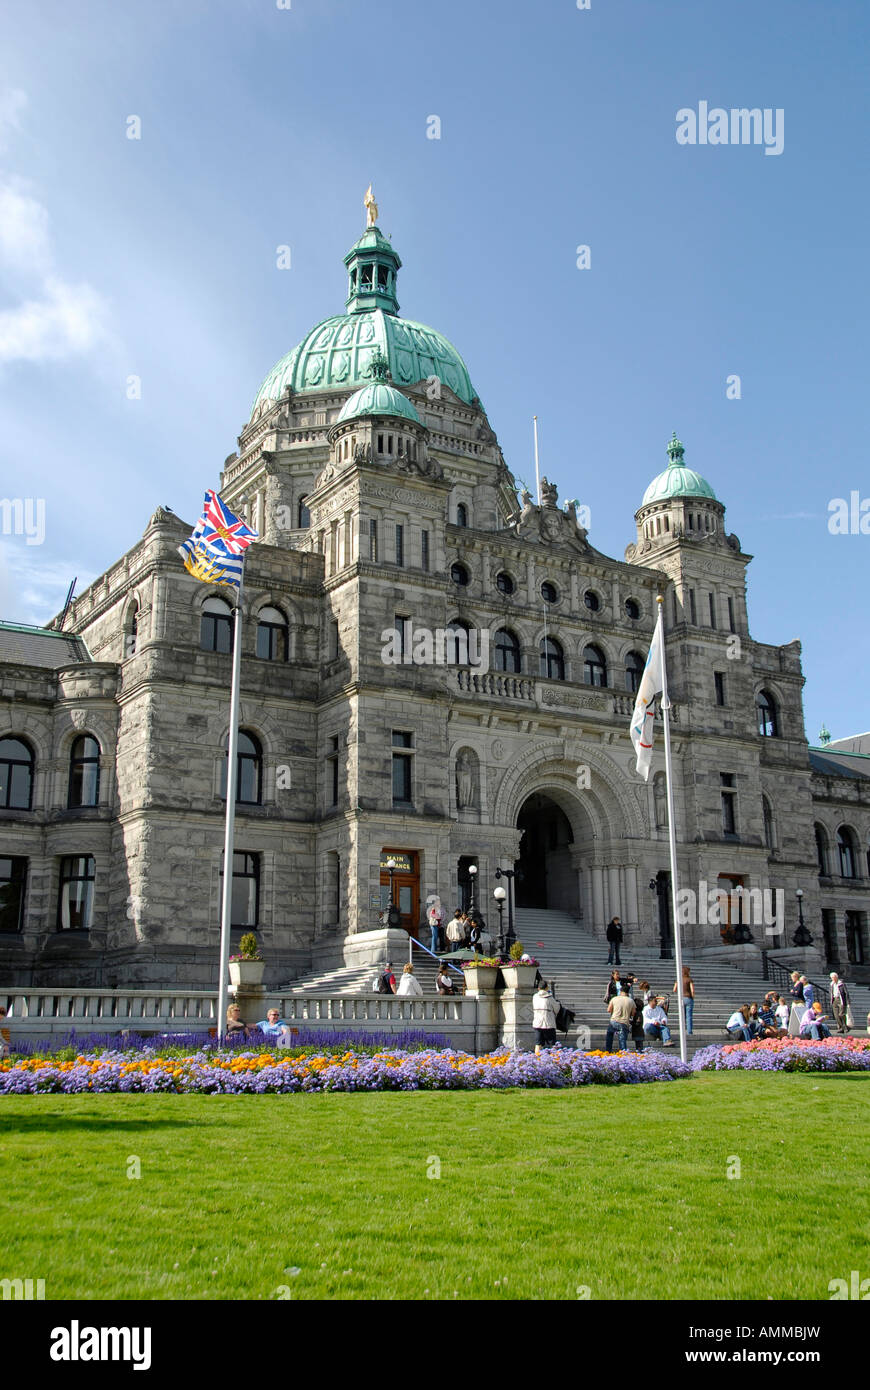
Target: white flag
pixel 642 720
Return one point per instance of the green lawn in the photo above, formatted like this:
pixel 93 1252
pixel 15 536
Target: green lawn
pixel 541 1192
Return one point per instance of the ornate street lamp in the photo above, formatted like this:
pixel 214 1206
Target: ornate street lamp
pixel 802 936
pixel 394 916
pixel 511 936
pixel 472 874
pixel 499 894
pixel 742 934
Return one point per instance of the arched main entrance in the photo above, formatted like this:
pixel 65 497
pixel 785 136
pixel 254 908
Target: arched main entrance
pixel 545 877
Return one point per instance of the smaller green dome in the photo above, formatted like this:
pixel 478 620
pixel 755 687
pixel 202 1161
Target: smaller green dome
pixel 677 480
pixel 378 399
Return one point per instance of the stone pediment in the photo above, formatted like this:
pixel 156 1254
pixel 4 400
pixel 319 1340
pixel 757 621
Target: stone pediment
pixel 547 523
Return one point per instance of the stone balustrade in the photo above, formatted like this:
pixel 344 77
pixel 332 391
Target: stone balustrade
pixel 469 1021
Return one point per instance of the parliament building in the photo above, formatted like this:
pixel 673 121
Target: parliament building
pixel 435 672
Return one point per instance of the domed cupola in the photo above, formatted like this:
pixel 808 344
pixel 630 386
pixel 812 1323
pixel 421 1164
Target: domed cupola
pixel 378 423
pixel 336 354
pixel 678 505
pixel 677 480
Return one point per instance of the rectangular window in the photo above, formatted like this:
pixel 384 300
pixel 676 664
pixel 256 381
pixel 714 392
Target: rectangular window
pixel 712 598
pixel 76 898
pixel 719 681
pixel 402 780
pixel 13 880
pixel 731 626
pixel 245 910
pixel 373 542
pixel 694 617
pixel 400 545
pixel 424 543
pixel 333 640
pixel 333 770
pixel 402 625
pixel 729 803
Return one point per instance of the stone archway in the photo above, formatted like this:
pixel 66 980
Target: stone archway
pixel 545 875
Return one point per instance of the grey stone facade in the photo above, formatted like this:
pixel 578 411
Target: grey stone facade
pixel 529 768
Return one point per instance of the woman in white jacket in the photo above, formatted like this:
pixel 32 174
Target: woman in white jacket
pixel 544 1017
pixel 409 984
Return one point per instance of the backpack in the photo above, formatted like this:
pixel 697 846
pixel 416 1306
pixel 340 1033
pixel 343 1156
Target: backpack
pixel 383 985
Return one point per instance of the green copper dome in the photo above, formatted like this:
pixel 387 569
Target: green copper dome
pixel 378 399
pixel 677 480
pixel 336 354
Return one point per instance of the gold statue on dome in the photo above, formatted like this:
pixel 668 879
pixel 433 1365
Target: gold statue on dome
pixel 371 208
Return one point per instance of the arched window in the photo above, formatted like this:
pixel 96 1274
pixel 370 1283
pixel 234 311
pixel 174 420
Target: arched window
pixel 459 574
pixel 846 851
pixel 822 850
pixel 216 631
pixel 594 666
pixel 84 772
pixel 507 652
pixel 461 514
pixel 592 601
pixel 549 592
pixel 768 723
pixel 271 635
pixel 458 643
pixel 552 659
pixel 131 630
pixel 303 515
pixel 769 825
pixel 16 774
pixel 76 899
pixel 634 664
pixel 504 583
pixel 249 774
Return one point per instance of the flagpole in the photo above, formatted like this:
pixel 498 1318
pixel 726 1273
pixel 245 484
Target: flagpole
pixel 537 465
pixel 230 825
pixel 672 834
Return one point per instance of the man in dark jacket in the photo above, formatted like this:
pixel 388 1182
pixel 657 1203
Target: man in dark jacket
pixel 614 936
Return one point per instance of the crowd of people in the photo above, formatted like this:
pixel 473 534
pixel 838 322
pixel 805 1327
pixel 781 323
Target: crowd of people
pixel 637 1012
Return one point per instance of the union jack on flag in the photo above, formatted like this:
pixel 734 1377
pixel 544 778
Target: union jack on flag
pixel 214 551
pixel 221 529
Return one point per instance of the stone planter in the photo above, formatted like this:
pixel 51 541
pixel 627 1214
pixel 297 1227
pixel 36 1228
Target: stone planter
pixel 519 975
pixel 246 974
pixel 479 977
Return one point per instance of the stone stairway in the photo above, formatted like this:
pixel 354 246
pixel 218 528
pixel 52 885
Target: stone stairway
pixel 577 963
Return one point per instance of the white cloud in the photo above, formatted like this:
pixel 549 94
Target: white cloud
pixel 66 320
pixel 33 589
pixel 24 239
pixel 54 318
pixel 12 102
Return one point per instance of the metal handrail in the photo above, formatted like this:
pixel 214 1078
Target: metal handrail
pixel 780 974
pixel 412 942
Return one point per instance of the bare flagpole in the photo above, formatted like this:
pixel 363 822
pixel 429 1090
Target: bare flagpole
pixel 672 833
pixel 537 465
pixel 229 829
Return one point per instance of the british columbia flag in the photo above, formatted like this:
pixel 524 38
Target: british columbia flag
pixel 214 552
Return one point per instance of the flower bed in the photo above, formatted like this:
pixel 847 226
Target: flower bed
pixel 226 1072
pixel 182 1044
pixel 786 1054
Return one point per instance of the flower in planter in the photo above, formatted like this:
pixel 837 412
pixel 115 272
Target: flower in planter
pixel 248 948
pixel 492 961
pixel 526 960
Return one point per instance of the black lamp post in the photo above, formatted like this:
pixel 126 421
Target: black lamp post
pixel 472 875
pixel 802 936
pixel 394 916
pixel 499 894
pixel 511 937
pixel 742 934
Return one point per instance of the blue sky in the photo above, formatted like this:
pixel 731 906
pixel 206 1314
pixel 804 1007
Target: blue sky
pixel 262 127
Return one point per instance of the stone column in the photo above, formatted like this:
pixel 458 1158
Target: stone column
pixel 598 898
pixel 614 907
pixel 630 873
pixel 516 1010
pixel 486 1026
